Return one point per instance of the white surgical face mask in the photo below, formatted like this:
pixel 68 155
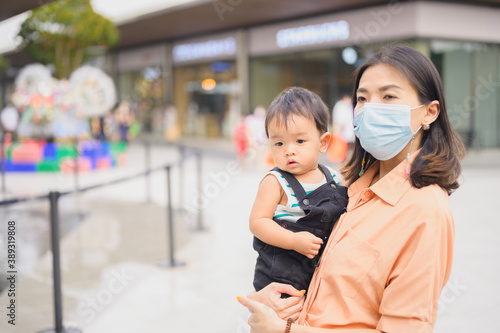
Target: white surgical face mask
pixel 384 129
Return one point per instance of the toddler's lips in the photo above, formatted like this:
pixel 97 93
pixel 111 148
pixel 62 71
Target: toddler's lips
pixel 292 164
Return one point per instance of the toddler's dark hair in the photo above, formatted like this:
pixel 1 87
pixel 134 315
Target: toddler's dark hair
pixel 300 102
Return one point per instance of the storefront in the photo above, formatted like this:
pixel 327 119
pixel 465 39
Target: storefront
pixel 471 77
pixel 300 54
pixel 213 79
pixel 321 53
pixel 142 83
pixel 206 90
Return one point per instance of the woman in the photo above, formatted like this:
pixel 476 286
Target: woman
pixel 389 257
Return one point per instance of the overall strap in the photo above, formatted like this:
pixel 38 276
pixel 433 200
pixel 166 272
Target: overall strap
pixel 297 189
pixel 327 173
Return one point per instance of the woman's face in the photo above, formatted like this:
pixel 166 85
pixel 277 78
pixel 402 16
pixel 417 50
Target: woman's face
pixel 384 84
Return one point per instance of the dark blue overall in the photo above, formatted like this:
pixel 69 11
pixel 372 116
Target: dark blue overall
pixel 322 207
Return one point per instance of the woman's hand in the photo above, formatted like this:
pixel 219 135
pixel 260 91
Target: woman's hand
pixel 262 319
pixel 284 307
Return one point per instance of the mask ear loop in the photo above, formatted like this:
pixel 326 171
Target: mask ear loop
pixel 411 143
pixel 362 165
pixel 409 151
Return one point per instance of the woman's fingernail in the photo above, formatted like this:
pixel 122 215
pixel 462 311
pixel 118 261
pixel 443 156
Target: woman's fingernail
pixel 239 298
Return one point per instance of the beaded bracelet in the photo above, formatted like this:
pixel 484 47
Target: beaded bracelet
pixel 288 325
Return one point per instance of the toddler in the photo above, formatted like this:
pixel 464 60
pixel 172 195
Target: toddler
pixel 299 201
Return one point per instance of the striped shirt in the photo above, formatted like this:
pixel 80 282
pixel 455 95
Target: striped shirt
pixel 292 211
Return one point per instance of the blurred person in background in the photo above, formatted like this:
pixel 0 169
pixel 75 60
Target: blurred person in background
pixel 171 128
pixel 110 126
pixel 240 139
pixel 342 130
pixel 97 128
pixel 124 119
pixel 257 139
pixel 9 119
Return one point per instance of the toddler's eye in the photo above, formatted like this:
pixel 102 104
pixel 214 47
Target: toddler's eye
pixel 301 141
pixel 279 144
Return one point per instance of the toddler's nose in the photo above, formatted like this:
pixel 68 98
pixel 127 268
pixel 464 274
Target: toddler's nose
pixel 289 150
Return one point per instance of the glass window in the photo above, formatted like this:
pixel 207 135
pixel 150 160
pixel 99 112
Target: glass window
pixel 144 90
pixel 206 97
pixel 325 72
pixel 470 74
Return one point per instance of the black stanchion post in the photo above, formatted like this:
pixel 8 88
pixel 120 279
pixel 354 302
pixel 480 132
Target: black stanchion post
pixel 54 237
pixel 200 190
pixel 2 156
pixel 147 150
pixel 182 152
pixel 170 224
pixel 56 266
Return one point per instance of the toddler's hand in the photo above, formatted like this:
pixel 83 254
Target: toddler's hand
pixel 306 243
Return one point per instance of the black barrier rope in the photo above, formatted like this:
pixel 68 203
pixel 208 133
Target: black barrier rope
pixel 25 199
pixel 92 187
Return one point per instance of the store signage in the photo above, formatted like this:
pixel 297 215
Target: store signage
pixel 312 34
pixel 139 58
pixel 202 50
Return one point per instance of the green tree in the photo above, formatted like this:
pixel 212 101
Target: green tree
pixel 65 33
pixel 4 64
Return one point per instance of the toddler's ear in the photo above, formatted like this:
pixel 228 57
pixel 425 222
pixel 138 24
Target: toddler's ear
pixel 324 141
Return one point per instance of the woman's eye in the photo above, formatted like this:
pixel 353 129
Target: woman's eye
pixel 389 97
pixel 301 141
pixel 360 99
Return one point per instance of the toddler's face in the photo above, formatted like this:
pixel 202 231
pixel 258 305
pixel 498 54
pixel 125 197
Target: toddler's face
pixel 296 147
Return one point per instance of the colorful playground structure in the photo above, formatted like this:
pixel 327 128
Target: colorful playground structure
pixel 41 156
pixel 53 118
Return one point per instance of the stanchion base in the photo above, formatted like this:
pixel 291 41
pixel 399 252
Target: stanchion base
pixel 200 228
pixel 170 263
pixel 189 223
pixel 65 330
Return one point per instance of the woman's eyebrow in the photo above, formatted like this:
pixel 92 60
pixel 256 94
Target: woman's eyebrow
pixel 383 88
pixel 389 86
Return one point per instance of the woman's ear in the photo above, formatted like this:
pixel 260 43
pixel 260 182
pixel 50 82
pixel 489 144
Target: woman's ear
pixel 324 142
pixel 432 112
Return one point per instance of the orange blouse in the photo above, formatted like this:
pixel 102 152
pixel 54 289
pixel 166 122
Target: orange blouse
pixel 387 259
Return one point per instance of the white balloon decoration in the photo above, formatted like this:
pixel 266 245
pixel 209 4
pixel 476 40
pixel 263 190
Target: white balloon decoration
pixel 94 91
pixel 61 108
